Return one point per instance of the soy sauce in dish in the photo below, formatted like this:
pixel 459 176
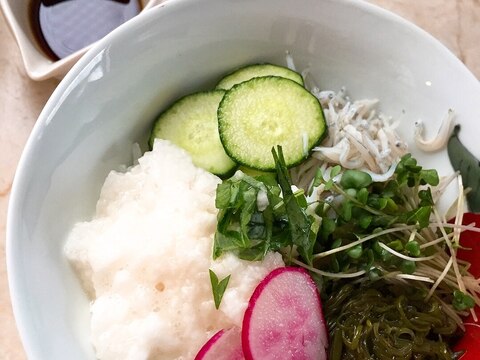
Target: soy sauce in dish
pixel 65 26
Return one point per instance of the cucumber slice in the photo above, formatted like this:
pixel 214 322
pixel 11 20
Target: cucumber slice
pixel 191 123
pixel 264 112
pixel 258 70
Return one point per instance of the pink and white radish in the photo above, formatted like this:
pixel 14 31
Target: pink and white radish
pixel 284 319
pixel 224 345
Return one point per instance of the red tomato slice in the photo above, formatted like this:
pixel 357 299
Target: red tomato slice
pixel 470 342
pixel 469 239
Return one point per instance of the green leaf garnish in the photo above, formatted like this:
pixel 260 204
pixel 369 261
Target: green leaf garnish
pixel 251 230
pixel 218 288
pixel 462 301
pixel 298 221
pixel 413 248
pixel 355 179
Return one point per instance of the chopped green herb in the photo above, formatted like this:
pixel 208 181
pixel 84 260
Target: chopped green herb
pixel 250 230
pixel 218 288
pixel 299 222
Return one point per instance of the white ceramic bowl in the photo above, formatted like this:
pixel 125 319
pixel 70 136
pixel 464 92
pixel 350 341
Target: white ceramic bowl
pixel 38 65
pixel 110 98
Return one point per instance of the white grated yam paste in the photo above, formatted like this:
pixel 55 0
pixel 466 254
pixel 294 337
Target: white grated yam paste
pixel 145 256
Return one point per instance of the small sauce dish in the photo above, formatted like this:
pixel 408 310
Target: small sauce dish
pixel 49 44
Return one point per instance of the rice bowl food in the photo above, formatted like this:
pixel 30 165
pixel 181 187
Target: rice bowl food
pixel 184 48
pixel 348 216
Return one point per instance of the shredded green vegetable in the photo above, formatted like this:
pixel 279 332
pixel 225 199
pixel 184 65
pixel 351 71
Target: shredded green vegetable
pixel 379 251
pixel 386 322
pixel 390 230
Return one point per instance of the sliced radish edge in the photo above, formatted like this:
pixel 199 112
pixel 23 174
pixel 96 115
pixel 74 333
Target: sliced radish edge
pixel 315 302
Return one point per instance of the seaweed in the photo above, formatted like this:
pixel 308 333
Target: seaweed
pixel 384 321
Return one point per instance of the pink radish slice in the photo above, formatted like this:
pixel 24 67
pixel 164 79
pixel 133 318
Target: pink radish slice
pixel 224 345
pixel 284 319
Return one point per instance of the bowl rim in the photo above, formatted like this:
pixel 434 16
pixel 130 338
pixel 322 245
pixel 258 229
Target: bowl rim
pixel 14 205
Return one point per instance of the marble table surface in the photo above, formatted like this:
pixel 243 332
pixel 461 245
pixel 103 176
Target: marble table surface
pixel 456 23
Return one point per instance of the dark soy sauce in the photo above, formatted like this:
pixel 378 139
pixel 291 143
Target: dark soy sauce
pixel 65 26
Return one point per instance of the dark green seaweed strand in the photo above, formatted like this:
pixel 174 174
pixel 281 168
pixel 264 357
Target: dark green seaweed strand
pixel 464 161
pixel 386 322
